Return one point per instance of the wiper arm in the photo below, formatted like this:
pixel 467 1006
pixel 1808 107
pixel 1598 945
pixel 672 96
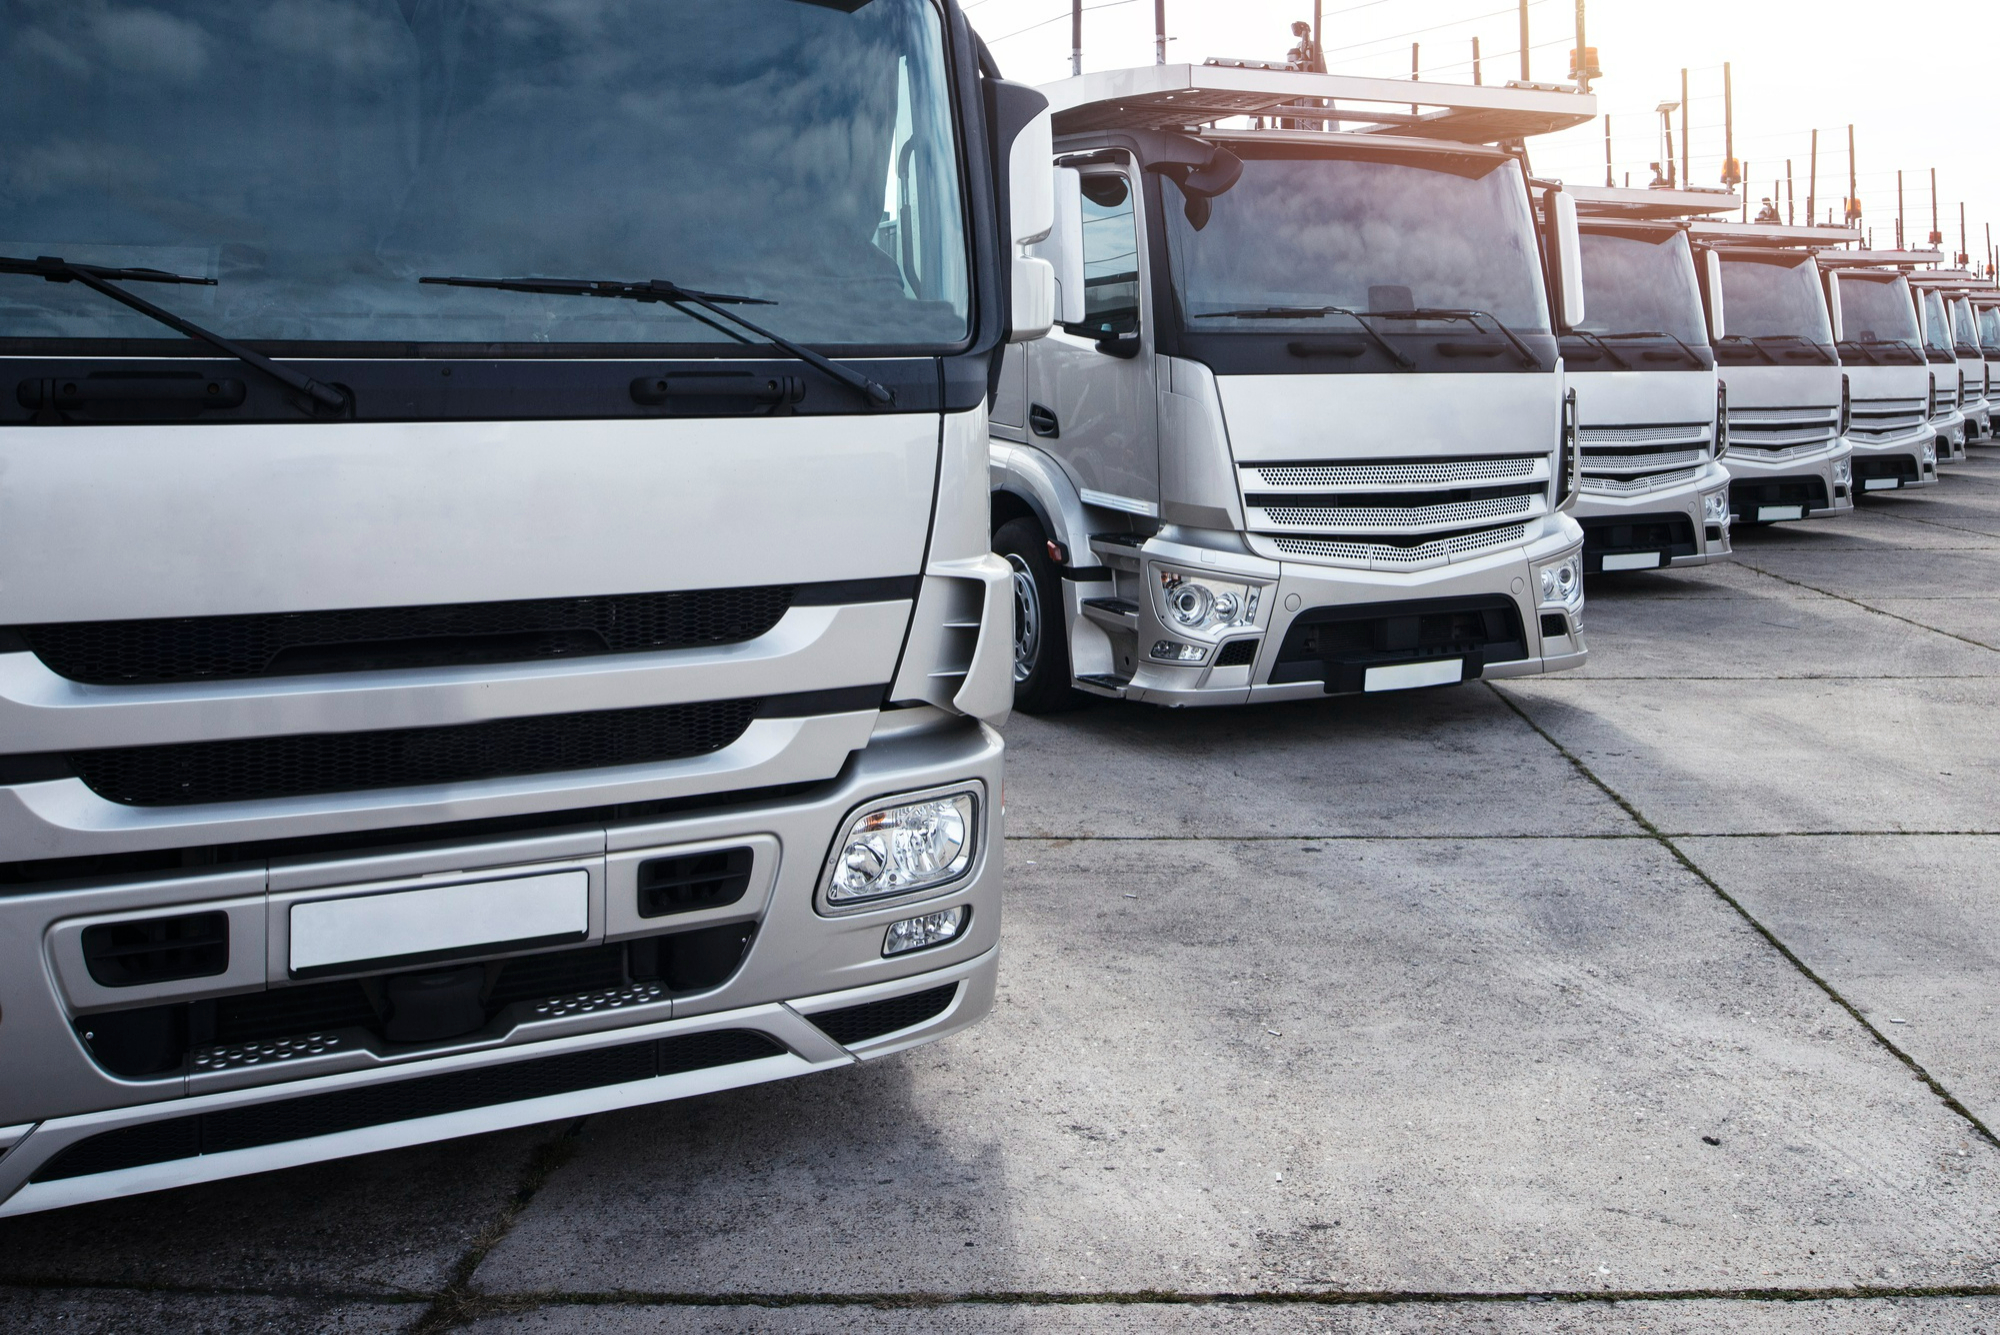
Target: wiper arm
pixel 1693 356
pixel 99 278
pixel 1861 346
pixel 1471 317
pixel 1394 353
pixel 1754 345
pixel 1602 347
pixel 680 298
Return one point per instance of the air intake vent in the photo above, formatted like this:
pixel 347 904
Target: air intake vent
pixel 117 653
pixel 693 881
pixel 378 1105
pixel 264 767
pixel 157 950
pixel 1238 653
pixel 857 1024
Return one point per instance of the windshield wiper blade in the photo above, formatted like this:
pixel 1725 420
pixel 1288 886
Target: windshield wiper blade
pixel 1471 317
pixel 1754 346
pixel 1693 356
pixel 673 294
pixel 1597 342
pixel 100 278
pixel 1394 353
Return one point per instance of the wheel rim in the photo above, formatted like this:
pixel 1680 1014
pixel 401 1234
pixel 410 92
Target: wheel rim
pixel 1027 619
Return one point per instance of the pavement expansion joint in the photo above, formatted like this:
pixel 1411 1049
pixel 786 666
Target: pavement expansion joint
pixel 1867 607
pixel 1674 850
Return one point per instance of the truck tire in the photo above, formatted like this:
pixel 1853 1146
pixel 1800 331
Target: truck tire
pixel 1041 641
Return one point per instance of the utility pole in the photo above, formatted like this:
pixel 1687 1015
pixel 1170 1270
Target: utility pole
pixel 1159 32
pixel 1609 179
pixel 1853 183
pixel 1732 175
pixel 1964 246
pixel 1746 197
pixel 1791 217
pixel 1687 176
pixel 1583 65
pixel 1319 38
pixel 1937 234
pixel 1899 210
pixel 1476 80
pixel 1812 182
pixel 1413 73
pixel 1076 36
pixel 1524 42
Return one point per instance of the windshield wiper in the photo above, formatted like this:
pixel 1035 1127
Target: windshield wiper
pixel 1754 345
pixel 1596 342
pixel 1395 354
pixel 1693 356
pixel 100 278
pixel 1471 317
pixel 680 298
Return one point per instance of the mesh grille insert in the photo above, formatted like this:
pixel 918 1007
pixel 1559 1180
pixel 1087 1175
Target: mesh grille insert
pixel 1519 468
pixel 264 767
pixel 856 1024
pixel 116 653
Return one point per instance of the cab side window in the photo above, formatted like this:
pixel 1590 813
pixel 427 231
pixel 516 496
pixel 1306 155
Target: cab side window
pixel 1110 258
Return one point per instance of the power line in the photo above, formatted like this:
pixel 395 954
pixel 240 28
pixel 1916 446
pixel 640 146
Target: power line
pixel 1107 4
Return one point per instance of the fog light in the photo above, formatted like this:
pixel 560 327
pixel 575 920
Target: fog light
pixel 933 929
pixel 894 850
pixel 1173 651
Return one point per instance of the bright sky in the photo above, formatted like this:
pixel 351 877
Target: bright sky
pixel 1918 90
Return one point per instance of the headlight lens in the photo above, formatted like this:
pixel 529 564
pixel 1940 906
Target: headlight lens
pixel 1715 507
pixel 933 929
pixel 1930 450
pixel 900 848
pixel 1199 605
pixel 1843 471
pixel 1561 584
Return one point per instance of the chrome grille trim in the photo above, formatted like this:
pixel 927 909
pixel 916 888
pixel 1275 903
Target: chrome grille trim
pixel 1398 519
pixel 1379 556
pixel 1674 433
pixel 1333 476
pixel 1638 486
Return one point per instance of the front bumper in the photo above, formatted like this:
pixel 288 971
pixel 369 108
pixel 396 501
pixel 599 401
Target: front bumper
pixel 800 963
pixel 1671 525
pixel 1764 490
pixel 1300 588
pixel 1899 462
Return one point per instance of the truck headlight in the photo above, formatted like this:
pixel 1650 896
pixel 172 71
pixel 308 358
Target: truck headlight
pixel 1715 508
pixel 1561 583
pixel 899 848
pixel 1199 605
pixel 1843 471
pixel 1930 449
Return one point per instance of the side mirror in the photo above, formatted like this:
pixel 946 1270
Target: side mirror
pixel 1712 288
pixel 1063 247
pixel 1030 195
pixel 1833 306
pixel 1566 264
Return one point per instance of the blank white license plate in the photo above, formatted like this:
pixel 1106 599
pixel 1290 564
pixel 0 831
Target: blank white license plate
pixel 1881 483
pixel 1409 676
pixel 1631 560
pixel 1766 513
pixel 442 920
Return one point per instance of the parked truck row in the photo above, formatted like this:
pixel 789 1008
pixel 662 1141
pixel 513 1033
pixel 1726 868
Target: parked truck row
pixel 513 622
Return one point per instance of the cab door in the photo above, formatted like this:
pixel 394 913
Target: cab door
pixel 1091 399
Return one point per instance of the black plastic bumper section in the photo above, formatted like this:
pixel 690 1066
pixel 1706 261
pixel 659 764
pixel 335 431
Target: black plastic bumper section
pixel 1746 495
pixel 1670 535
pixel 1337 645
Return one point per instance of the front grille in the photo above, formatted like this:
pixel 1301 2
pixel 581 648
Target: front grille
pixel 120 653
pixel 248 769
pixel 1773 434
pixel 1635 459
pixel 1337 645
pixel 857 1024
pixel 1388 515
pixel 402 1100
pixel 1639 486
pixel 1876 419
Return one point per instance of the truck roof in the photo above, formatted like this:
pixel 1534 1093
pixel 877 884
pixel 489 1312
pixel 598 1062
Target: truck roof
pixel 1775 236
pixel 1887 259
pixel 1954 279
pixel 1621 202
pixel 1187 97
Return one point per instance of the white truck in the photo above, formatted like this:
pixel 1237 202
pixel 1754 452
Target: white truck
pixel 1947 373
pixel 504 626
pixel 1788 453
pixel 1890 384
pixel 1302 427
pixel 1986 310
pixel 1954 289
pixel 1649 404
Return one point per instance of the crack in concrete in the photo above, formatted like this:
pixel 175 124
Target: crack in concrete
pixel 1867 607
pixel 1674 850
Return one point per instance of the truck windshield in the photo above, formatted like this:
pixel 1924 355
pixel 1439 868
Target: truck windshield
pixel 1937 327
pixel 1639 283
pixel 318 156
pixel 1774 296
pixel 1989 329
pixel 1873 310
pixel 1964 332
pixel 1304 230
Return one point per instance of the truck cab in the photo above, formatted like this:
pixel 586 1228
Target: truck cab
pixel 499 621
pixel 1948 422
pixel 1302 427
pixel 1986 309
pixel 1788 456
pixel 1654 491
pixel 1889 378
pixel 1971 368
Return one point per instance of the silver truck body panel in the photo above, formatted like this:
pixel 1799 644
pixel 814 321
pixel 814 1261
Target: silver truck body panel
pixel 1671 415
pixel 1784 428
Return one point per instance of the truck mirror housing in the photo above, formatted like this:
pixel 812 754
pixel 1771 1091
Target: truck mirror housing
pixel 1566 266
pixel 1711 275
pixel 1030 200
pixel 1063 247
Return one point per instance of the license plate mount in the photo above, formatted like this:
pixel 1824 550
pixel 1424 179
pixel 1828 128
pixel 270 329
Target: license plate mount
pixel 1414 676
pixel 1632 561
pixel 1770 513
pixel 425 924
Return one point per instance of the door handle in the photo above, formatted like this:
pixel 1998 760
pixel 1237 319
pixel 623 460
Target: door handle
pixel 1043 422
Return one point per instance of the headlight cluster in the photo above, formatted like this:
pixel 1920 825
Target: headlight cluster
pixel 1715 507
pixel 1561 584
pixel 898 849
pixel 1843 471
pixel 1930 449
pixel 1201 606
